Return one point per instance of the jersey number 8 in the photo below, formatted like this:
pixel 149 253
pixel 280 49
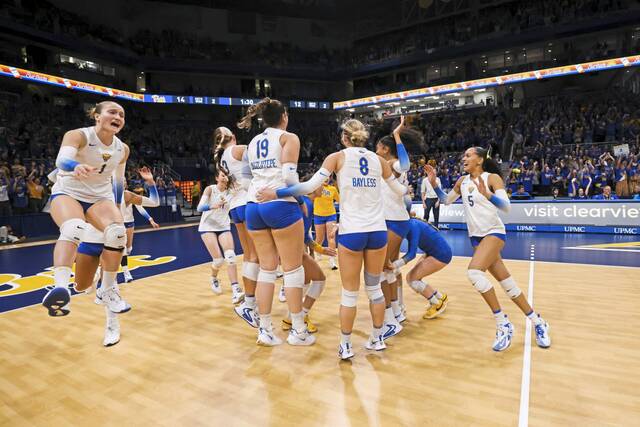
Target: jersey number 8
pixel 364 166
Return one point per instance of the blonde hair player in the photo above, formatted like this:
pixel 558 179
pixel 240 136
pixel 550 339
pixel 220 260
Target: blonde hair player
pixel 483 194
pixel 363 233
pixel 83 192
pixel 228 156
pixel 215 231
pixel 276 226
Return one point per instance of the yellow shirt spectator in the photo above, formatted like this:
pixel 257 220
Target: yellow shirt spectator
pixel 323 204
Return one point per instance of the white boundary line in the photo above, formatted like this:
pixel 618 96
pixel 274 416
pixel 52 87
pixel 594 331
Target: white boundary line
pixel 523 420
pixel 577 248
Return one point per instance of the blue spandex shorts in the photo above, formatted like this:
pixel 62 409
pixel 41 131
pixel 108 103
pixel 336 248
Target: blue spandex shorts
pixel 318 220
pixel 277 214
pixel 436 246
pixel 85 205
pixel 475 240
pixel 129 224
pixel 238 214
pixel 401 228
pixel 361 241
pixel 90 249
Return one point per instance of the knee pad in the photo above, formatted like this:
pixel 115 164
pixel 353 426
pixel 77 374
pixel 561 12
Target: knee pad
pixel 72 230
pixel 230 256
pixel 418 286
pixel 374 291
pixel 267 276
pixel 217 263
pixel 294 278
pixel 510 287
pixel 316 288
pixel 115 237
pixel 349 298
pixel 250 270
pixel 479 280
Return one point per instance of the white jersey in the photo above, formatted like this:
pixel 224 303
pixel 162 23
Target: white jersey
pixel 264 152
pixel 127 212
pixel 481 215
pixel 360 187
pixel 394 207
pixel 216 219
pixel 235 170
pixel 97 186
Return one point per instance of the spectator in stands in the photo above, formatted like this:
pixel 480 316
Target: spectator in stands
pixel 430 199
pixel 581 195
pixel 8 236
pixel 195 194
pixel 606 195
pixel 5 183
pixel 521 194
pixel 36 192
pixel 19 193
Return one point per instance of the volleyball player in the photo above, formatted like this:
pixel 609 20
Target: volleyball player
pixel 131 200
pixel 215 231
pixel 363 232
pixel 83 192
pixel 437 254
pixel 392 150
pixel 276 227
pixel 483 194
pixel 229 157
pixel 324 216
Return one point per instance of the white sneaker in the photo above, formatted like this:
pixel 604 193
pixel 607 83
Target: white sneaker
pixel 247 314
pixel 127 276
pixel 112 300
pixel 345 351
pixel 112 329
pixel 391 328
pixel 504 335
pixel 542 335
pixel 267 338
pixel 281 295
pixel 300 338
pixel 237 297
pixel 401 317
pixel 332 263
pixel 215 286
pixel 376 344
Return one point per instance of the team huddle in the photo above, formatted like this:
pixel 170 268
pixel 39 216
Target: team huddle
pixel 258 188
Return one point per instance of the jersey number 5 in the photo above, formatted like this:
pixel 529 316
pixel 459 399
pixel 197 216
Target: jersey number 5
pixel 470 199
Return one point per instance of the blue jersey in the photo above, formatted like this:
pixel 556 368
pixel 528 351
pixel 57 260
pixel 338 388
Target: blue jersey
pixel 427 238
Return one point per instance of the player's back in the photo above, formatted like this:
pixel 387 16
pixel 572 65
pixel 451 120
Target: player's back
pixel 264 153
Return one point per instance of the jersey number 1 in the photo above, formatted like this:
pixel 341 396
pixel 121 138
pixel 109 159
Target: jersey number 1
pixel 104 165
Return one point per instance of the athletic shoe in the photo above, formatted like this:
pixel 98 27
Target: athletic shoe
pixel 247 314
pixel 112 329
pixel 332 263
pixel 345 351
pixel 542 335
pixel 56 301
pixel 300 338
pixel 127 276
pixel 112 299
pixel 391 329
pixel 267 338
pixel 401 317
pixel 215 286
pixel 376 344
pixel 436 309
pixel 287 325
pixel 504 335
pixel 281 295
pixel 237 297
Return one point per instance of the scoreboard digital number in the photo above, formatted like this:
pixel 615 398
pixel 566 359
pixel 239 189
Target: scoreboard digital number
pixel 297 104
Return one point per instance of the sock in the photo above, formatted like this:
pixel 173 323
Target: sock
pixel 376 333
pixel 535 318
pixel 305 311
pixel 297 321
pixel 345 338
pixel 265 322
pixel 62 276
pixel 500 317
pixel 250 300
pixel 108 280
pixel 236 287
pixel 124 262
pixel 433 299
pixel 395 306
pixel 437 294
pixel 400 294
pixel 388 315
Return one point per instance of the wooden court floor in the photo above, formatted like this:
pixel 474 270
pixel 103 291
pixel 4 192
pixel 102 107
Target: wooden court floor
pixel 186 359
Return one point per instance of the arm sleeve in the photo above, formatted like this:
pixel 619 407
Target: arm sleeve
pixel 143 212
pixel 501 200
pixel 446 199
pixel 305 187
pixel 403 158
pixel 153 200
pixel 413 240
pixel 66 158
pixel 395 186
pixel 118 182
pixel 203 206
pixel 290 174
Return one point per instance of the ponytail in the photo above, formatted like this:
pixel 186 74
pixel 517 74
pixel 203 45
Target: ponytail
pixel 221 137
pixel 270 110
pixel 488 164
